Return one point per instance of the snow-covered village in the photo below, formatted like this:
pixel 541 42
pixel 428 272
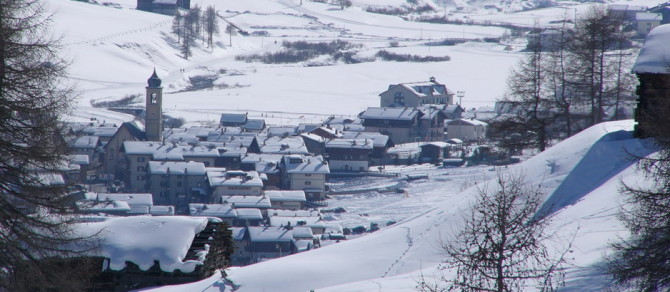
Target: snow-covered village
pixel 334 145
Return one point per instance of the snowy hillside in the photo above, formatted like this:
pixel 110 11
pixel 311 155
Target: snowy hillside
pixel 581 176
pixel 114 49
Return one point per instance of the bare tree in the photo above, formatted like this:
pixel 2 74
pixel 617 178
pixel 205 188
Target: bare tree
pixel 501 246
pixel 596 33
pixel 528 90
pixel 178 25
pixel 211 25
pixel 189 32
pixel 36 222
pixel 230 30
pixel 559 82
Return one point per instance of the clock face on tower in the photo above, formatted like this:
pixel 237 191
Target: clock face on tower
pixel 154 97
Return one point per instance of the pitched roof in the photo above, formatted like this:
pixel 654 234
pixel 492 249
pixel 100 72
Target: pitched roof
pixel 247 201
pixel 286 196
pixel 378 139
pixel 233 178
pixel 135 130
pixel 177 167
pixel 270 234
pixel 212 210
pixel 350 143
pixel 390 113
pixel 305 164
pixel 233 118
pixel 86 142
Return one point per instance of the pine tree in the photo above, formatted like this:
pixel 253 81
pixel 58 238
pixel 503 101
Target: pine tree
pixel 36 222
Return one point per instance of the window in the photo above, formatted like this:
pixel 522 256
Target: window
pixel 399 98
pixel 308 174
pixel 140 168
pixel 140 177
pixel 178 184
pixel 308 183
pixel 206 163
pixel 140 159
pixel 163 184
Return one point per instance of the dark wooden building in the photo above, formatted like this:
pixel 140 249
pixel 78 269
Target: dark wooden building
pixel 652 68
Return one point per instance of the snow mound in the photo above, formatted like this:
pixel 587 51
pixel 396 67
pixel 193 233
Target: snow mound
pixel 142 240
pixel 655 55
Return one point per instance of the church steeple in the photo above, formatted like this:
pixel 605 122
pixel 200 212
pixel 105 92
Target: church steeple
pixel 153 119
pixel 154 81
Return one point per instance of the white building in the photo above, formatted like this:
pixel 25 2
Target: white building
pixel 466 130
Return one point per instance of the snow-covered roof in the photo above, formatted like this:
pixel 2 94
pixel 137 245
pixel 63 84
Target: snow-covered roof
pixel 156 210
pixel 430 111
pixel 303 244
pixel 332 131
pixel 286 196
pixel 212 210
pixel 80 159
pixel 51 178
pixel 390 113
pixel 247 201
pixel 270 234
pixel 103 206
pixel 378 139
pixel 305 164
pixel 138 199
pixel 471 122
pixel 86 142
pixel 234 178
pixel 254 124
pixel 307 127
pixel 436 144
pixel 230 135
pixel 625 7
pixel 655 53
pixel 350 143
pixel 315 138
pixel 293 213
pixel 646 16
pixel 302 232
pixel 249 213
pixel 238 232
pixel 455 141
pixel 177 167
pixel 103 131
pixel 179 137
pixel 144 239
pixel 426 88
pixel 282 130
pixel 297 221
pixel 283 145
pixel 233 118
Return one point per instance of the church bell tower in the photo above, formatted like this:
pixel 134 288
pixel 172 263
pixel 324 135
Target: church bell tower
pixel 153 119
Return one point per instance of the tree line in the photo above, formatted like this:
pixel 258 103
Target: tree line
pixel 194 24
pixel 571 78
